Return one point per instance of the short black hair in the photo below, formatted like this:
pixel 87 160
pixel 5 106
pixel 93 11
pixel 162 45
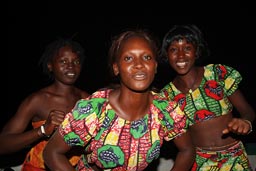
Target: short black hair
pixel 53 48
pixel 191 33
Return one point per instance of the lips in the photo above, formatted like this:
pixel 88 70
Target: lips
pixel 71 74
pixel 181 64
pixel 140 76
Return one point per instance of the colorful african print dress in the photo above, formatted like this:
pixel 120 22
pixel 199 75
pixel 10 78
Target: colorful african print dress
pixel 208 101
pixel 113 143
pixel 34 159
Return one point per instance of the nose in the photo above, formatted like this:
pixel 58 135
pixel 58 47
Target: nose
pixel 70 64
pixel 181 53
pixel 138 63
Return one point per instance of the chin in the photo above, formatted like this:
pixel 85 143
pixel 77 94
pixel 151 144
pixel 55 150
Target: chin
pixel 140 90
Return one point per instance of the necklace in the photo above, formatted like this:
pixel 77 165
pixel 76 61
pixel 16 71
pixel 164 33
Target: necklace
pixel 190 91
pixel 183 86
pixel 191 87
pixel 186 89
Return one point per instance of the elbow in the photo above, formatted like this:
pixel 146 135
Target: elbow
pixel 191 153
pixel 49 156
pixel 46 155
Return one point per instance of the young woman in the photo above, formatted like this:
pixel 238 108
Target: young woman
pixel 123 129
pixel 207 95
pixel 46 108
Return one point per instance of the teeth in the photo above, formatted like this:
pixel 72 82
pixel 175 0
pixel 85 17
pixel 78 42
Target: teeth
pixel 181 64
pixel 139 76
pixel 70 74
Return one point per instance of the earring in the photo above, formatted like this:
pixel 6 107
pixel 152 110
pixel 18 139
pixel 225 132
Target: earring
pixel 116 71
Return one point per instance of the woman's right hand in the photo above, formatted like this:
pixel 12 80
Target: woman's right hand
pixel 54 119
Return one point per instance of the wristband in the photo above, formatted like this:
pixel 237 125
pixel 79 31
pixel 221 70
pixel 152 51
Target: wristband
pixel 43 131
pixel 249 122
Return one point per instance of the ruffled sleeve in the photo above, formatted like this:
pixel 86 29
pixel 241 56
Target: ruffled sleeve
pixel 229 77
pixel 172 119
pixel 82 123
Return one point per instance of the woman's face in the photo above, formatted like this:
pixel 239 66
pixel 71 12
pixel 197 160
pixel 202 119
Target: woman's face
pixel 136 64
pixel 65 66
pixel 181 55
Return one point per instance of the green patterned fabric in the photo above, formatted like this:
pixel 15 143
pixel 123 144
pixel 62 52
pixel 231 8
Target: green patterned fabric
pixel 210 99
pixel 118 144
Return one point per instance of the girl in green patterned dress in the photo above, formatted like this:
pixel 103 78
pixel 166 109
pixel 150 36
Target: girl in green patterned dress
pixel 207 95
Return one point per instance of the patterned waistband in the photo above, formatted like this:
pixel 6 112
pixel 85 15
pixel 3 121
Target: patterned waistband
pixel 220 148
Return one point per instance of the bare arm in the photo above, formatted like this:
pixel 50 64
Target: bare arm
pixel 15 135
pixel 186 154
pixel 54 154
pixel 240 125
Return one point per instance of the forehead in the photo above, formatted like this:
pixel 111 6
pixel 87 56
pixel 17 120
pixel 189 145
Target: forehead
pixel 181 41
pixel 64 51
pixel 135 42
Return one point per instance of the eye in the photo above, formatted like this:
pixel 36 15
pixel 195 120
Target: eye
pixel 77 62
pixel 147 57
pixel 172 49
pixel 63 61
pixel 188 48
pixel 128 58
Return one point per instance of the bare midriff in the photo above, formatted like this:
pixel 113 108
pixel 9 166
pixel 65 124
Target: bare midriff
pixel 208 135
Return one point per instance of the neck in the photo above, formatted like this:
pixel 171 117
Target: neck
pixel 131 106
pixel 187 82
pixel 62 88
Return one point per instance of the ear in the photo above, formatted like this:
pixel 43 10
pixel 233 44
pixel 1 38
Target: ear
pixel 115 69
pixel 156 68
pixel 49 65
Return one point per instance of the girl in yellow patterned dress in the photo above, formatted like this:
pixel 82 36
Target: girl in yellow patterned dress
pixel 122 129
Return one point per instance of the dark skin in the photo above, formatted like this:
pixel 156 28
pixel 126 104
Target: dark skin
pixel 215 132
pixel 50 104
pixel 136 65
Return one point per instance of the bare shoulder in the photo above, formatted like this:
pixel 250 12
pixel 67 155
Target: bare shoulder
pixel 28 109
pixel 83 94
pixel 34 97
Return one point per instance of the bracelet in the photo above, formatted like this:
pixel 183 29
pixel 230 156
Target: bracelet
pixel 39 133
pixel 43 131
pixel 249 122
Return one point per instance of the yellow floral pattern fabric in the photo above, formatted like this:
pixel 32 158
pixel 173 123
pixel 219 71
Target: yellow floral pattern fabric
pixel 115 143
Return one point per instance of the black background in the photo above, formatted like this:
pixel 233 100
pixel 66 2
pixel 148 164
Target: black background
pixel 229 30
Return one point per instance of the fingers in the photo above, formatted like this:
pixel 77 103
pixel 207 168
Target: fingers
pixel 237 126
pixel 54 119
pixel 225 131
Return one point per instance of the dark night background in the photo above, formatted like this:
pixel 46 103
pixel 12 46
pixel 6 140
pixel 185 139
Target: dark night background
pixel 228 28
